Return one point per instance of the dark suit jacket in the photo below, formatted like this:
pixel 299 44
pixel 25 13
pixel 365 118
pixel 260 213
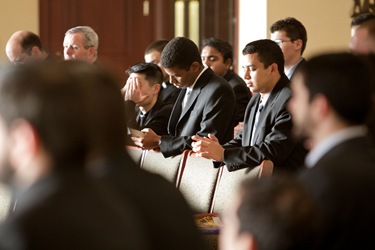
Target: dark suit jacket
pixel 241 92
pixel 156 118
pixel 343 187
pixel 299 65
pixel 168 93
pixel 168 217
pixel 273 138
pixel 67 211
pixel 209 109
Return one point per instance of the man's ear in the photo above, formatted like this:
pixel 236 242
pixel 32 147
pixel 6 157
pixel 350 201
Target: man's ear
pixel 92 52
pixel 195 67
pixel 157 87
pixel 298 44
pixel 274 68
pixel 35 51
pixel 24 143
pixel 228 63
pixel 320 107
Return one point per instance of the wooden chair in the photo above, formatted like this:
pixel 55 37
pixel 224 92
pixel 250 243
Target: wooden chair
pixel 135 153
pixel 228 183
pixel 155 162
pixel 197 181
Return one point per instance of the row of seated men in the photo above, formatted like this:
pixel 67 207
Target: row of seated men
pixel 193 114
pixel 75 187
pixel 341 157
pixel 81 43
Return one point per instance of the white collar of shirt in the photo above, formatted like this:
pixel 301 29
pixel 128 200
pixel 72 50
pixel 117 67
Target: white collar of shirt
pixel 290 71
pixel 196 79
pixel 330 142
pixel 264 98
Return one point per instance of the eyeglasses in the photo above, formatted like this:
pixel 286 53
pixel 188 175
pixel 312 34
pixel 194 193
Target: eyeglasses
pixel 279 41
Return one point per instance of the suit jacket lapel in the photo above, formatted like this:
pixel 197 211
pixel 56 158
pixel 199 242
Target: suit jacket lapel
pixel 247 133
pixel 176 113
pixel 193 96
pixel 201 82
pixel 268 106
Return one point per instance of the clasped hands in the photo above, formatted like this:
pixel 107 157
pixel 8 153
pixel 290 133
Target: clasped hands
pixel 208 147
pixel 149 140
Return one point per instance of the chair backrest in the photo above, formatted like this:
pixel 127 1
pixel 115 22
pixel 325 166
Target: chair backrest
pixel 155 162
pixel 135 153
pixel 5 201
pixel 197 182
pixel 228 183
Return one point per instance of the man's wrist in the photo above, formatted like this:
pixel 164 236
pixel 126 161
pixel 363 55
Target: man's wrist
pixel 222 155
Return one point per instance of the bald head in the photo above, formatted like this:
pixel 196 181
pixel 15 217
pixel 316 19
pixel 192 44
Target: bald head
pixel 24 46
pixel 363 38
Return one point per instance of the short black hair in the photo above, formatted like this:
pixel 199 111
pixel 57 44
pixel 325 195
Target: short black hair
pixel 29 41
pixel 180 52
pixel 268 53
pixel 277 212
pixel 152 72
pixel 223 47
pixel 293 28
pixel 341 77
pixel 158 45
pixel 361 18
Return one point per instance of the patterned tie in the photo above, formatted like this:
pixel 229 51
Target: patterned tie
pixel 260 109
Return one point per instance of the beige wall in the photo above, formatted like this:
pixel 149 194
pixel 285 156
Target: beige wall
pixel 327 22
pixel 17 15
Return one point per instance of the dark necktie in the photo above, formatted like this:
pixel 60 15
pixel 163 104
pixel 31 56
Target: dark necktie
pixel 259 111
pixel 142 119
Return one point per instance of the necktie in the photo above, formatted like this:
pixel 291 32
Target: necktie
pixel 142 118
pixel 187 94
pixel 260 109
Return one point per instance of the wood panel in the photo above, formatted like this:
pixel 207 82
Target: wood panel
pixel 123 29
pixel 217 19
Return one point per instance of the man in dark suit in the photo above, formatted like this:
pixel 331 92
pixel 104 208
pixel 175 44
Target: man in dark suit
pixel 25 46
pixel 331 101
pixel 168 92
pixel 291 36
pixel 205 105
pixel 43 150
pixel 267 132
pixel 142 90
pixel 218 55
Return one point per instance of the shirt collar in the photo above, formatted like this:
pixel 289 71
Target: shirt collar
pixel 290 71
pixel 196 79
pixel 330 142
pixel 264 98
